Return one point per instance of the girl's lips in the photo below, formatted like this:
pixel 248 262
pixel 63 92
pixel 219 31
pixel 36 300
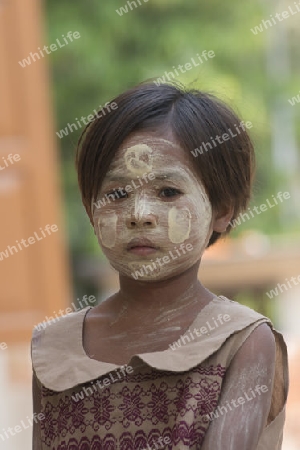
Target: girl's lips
pixel 141 246
pixel 142 250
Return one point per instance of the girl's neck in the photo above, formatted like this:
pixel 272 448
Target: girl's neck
pixel 170 298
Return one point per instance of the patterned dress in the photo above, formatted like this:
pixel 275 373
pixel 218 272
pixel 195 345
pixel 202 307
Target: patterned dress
pixel 160 400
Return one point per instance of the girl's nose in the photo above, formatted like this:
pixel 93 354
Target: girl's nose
pixel 141 221
pixel 141 213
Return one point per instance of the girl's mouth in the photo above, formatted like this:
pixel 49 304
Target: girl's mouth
pixel 141 246
pixel 142 250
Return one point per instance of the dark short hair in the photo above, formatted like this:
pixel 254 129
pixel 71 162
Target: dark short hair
pixel 226 170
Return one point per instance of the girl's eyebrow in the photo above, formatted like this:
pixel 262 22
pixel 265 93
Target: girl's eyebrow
pixel 160 177
pixel 170 175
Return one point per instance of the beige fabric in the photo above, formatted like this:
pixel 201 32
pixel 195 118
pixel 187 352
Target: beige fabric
pixel 271 438
pixel 272 435
pixel 61 364
pixel 71 365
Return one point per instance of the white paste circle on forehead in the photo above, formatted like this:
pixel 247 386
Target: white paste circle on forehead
pixel 179 221
pixel 107 226
pixel 138 159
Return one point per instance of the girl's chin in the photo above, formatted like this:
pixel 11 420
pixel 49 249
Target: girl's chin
pixel 138 273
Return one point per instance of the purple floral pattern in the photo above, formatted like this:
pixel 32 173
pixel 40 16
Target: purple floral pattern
pixel 133 413
pixel 101 411
pixel 131 406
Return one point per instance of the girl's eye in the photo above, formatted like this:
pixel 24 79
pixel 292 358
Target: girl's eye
pixel 170 192
pixel 117 194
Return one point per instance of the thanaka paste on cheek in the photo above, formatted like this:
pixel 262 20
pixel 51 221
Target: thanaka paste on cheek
pixel 144 212
pixel 107 229
pixel 179 221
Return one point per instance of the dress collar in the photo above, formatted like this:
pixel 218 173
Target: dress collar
pixel 60 361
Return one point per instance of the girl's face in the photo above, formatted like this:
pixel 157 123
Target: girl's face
pixel 151 192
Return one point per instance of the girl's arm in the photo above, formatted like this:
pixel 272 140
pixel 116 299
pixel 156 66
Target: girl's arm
pixel 246 395
pixel 36 396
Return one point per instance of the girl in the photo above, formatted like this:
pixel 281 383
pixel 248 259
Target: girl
pixel 163 363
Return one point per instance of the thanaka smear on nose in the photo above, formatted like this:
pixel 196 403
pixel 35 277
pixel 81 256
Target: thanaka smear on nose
pixel 141 209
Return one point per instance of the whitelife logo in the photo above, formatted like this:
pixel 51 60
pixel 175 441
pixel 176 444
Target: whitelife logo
pixel 186 338
pixel 286 286
pixel 187 66
pixel 53 47
pixel 121 192
pixel 9 160
pixel 205 146
pixel 120 373
pixel 292 101
pixel 11 250
pixel 154 266
pixel 3 346
pixel 259 209
pixel 64 312
pixel 124 9
pixel 86 119
pixel 240 401
pixel 265 24
pixel 159 443
pixel 11 431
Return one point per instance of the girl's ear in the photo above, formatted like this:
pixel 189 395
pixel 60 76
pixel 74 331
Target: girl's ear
pixel 221 220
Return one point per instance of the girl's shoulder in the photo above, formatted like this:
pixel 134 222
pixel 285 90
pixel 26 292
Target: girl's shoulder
pixel 218 332
pixel 225 317
pixel 57 345
pixel 62 324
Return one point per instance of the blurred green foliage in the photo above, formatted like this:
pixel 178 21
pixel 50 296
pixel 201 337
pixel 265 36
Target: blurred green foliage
pixel 116 52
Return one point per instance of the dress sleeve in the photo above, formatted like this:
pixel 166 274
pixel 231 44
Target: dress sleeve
pixel 36 397
pixel 244 408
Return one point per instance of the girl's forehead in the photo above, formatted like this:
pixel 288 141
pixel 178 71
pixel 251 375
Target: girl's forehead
pixel 142 153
